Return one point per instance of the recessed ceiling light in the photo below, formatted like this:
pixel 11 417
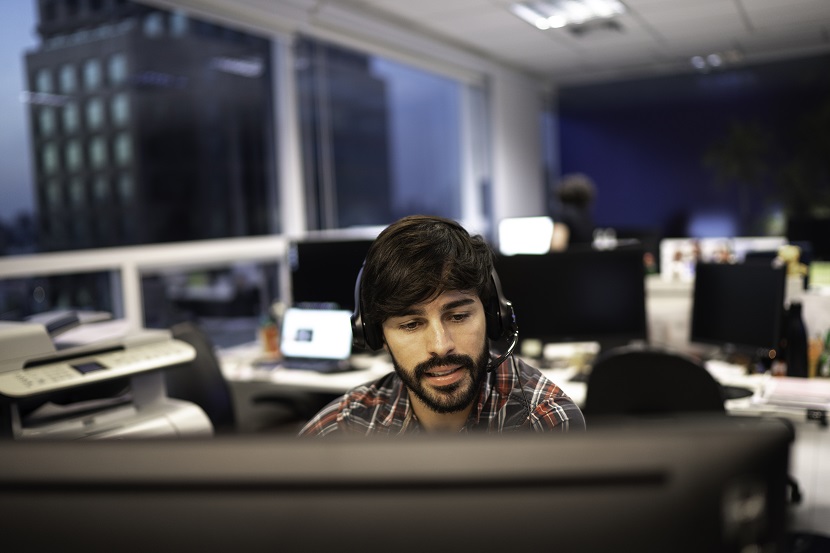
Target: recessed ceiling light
pixel 560 13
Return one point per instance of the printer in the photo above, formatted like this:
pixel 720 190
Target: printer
pixel 109 388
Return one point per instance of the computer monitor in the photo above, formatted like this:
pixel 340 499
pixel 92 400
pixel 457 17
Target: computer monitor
pixel 685 486
pixel 577 296
pixel 738 307
pixel 814 231
pixel 324 271
pixel 531 235
pixel 679 256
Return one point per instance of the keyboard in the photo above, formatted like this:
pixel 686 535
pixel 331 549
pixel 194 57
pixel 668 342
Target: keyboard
pixel 316 365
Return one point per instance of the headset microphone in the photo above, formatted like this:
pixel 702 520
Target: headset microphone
pixel 495 362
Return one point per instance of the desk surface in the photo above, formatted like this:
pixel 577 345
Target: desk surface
pixel 239 364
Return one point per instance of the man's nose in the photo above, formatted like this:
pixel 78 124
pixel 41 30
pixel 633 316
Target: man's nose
pixel 440 340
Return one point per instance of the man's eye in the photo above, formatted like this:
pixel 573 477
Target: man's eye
pixel 459 317
pixel 412 325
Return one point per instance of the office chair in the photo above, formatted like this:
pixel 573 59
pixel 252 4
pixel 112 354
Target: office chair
pixel 201 381
pixel 637 381
pixel 243 408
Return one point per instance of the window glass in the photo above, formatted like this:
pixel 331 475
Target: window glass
pixel 49 158
pixel 53 193
pixel 381 139
pixel 70 118
pixel 120 109
pixel 125 188
pixel 94 114
pixel 98 152
pixel 154 25
pixel 68 83
pixel 46 122
pixel 123 149
pixel 200 112
pixel 73 156
pixel 28 296
pixel 92 74
pixel 117 69
pixel 76 191
pixel 178 23
pixel 100 189
pixel 43 81
pixel 192 96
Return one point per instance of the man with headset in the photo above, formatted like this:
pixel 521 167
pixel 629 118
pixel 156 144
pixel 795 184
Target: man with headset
pixel 428 294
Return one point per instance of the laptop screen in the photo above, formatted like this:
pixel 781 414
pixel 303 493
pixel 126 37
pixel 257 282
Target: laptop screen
pixel 316 333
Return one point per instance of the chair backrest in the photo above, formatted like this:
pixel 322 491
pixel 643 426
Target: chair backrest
pixel 201 381
pixel 636 381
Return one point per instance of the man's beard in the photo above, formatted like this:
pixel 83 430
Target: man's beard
pixel 454 397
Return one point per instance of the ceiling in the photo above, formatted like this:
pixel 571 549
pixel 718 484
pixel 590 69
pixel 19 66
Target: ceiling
pixel 656 37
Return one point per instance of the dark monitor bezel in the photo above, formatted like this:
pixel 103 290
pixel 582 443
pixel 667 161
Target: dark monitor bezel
pixel 323 271
pixel 593 491
pixel 540 288
pixel 721 294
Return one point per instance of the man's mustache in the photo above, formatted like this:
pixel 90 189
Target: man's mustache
pixel 464 361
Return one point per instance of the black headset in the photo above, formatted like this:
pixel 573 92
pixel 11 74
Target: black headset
pixel 499 314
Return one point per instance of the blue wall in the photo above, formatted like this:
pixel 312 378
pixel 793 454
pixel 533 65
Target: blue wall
pixel 643 143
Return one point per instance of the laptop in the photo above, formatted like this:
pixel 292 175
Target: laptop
pixel 316 339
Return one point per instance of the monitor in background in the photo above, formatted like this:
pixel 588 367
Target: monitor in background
pixel 738 307
pixel 679 256
pixel 323 272
pixel 316 339
pixel 820 275
pixel 703 486
pixel 577 296
pixel 530 235
pixel 812 230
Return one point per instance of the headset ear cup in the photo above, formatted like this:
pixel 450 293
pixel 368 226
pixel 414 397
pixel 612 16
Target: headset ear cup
pixel 501 319
pixel 363 336
pixel 358 329
pixel 358 336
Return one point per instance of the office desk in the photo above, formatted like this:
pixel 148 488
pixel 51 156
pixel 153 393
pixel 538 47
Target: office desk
pixel 239 364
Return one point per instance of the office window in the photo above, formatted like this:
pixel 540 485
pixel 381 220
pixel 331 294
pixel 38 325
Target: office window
pixel 53 193
pixel 49 158
pixel 101 190
pixel 380 139
pixel 123 149
pixel 91 291
pixel 125 188
pixel 197 135
pixel 120 109
pixel 92 74
pixel 94 114
pixel 98 152
pixel 154 25
pixel 182 149
pixel 46 122
pixel 70 118
pixel 43 81
pixel 117 69
pixel 77 191
pixel 73 156
pixel 68 82
pixel 179 24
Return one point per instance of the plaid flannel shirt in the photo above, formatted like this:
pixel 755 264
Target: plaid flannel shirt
pixel 506 403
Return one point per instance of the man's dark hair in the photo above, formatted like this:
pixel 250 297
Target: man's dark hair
pixel 418 258
pixel 576 189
